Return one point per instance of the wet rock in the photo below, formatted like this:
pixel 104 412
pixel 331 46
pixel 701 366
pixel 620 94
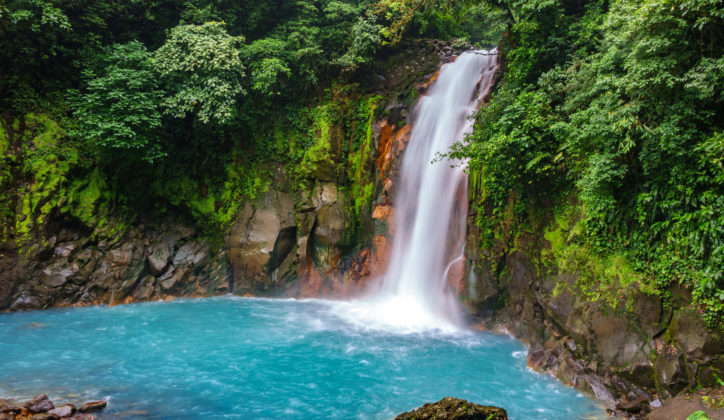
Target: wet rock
pixel 158 258
pixel 454 409
pixel 10 406
pixel 642 374
pixel 122 256
pixel 688 327
pixel 39 403
pixel 171 278
pixel 633 404
pixel 64 250
pixel 600 390
pixel 710 401
pixel 44 416
pixel 93 406
pixel 331 229
pixel 668 366
pixel 27 301
pixel 57 276
pixel 325 194
pixel 647 311
pixel 65 410
pixel 238 231
pixel 144 290
pixel 613 340
pixel 192 253
pixel 82 416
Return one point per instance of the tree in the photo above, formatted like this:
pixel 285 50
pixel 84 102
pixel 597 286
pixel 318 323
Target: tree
pixel 202 71
pixel 267 62
pixel 119 109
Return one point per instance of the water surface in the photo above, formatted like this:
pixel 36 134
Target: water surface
pixel 231 357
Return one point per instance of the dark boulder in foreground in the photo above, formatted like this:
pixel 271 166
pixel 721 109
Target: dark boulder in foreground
pixel 450 408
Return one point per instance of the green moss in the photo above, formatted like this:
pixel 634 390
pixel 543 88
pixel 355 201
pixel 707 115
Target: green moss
pixel 46 166
pixel 315 142
pixel 85 198
pixel 362 187
pixel 45 184
pixel 214 206
pixel 4 139
pixel 7 159
pixel 608 279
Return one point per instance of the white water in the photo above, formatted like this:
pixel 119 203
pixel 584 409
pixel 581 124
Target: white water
pixel 414 293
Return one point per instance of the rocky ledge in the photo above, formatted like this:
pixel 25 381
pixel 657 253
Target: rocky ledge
pixel 41 408
pixel 455 409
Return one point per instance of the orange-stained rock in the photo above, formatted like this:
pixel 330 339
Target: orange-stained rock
pixel 385 142
pixel 382 212
pixel 390 144
pixel 380 256
pixel 456 275
pixel 432 79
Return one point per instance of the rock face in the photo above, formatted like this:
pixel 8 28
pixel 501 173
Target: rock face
pixel 627 357
pixel 77 267
pixel 454 409
pixel 281 242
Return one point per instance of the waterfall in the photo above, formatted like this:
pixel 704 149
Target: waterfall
pixel 430 206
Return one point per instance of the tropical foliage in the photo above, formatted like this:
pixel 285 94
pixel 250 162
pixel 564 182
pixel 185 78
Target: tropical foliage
pixel 176 105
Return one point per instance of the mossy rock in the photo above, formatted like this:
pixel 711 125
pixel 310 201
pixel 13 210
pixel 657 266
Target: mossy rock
pixel 454 409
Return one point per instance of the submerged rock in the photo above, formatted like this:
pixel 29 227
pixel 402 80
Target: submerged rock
pixel 455 409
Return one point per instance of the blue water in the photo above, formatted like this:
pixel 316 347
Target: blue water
pixel 261 358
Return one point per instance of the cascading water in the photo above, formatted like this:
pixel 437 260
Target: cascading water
pixel 428 238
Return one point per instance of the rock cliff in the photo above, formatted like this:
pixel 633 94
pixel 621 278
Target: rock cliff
pixel 631 351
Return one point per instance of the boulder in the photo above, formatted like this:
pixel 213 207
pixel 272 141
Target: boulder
pixel 158 256
pixel 81 416
pixel 144 290
pixel 262 231
pixel 123 255
pixel 10 406
pixel 172 276
pixel 64 250
pixel 454 409
pixel 193 253
pixel 93 406
pixel 44 416
pixel 613 340
pixel 59 278
pixel 39 403
pixel 330 227
pixel 65 410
